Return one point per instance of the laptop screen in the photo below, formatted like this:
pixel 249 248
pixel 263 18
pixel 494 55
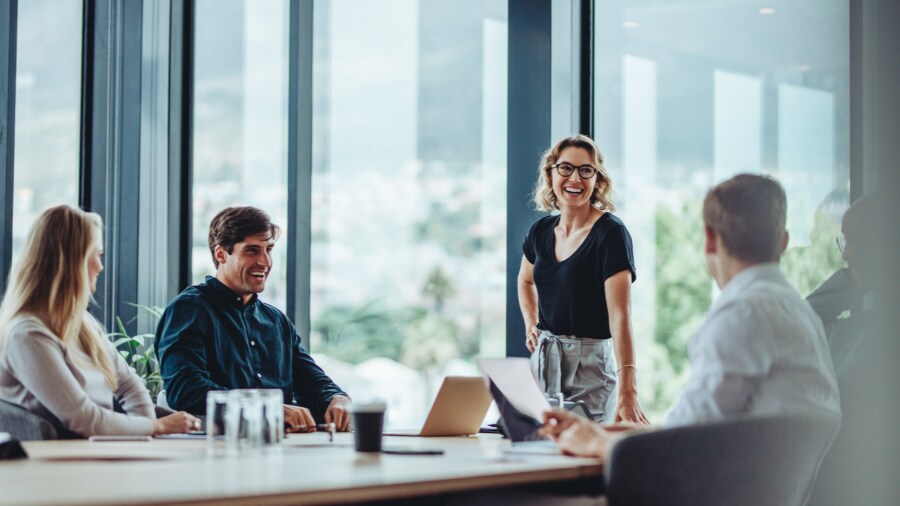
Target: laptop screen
pixel 518 426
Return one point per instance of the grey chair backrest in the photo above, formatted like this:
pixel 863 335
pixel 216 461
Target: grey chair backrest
pixel 162 411
pixel 24 425
pixel 747 460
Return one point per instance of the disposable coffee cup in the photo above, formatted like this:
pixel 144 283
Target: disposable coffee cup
pixel 368 424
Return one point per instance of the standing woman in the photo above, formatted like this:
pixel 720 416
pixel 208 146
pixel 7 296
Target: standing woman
pixel 575 286
pixel 54 358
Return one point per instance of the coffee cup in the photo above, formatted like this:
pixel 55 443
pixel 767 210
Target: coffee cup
pixel 368 424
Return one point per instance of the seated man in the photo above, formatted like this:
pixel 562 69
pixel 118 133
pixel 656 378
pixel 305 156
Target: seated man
pixel 761 349
pixel 845 300
pixel 218 335
pixel 851 305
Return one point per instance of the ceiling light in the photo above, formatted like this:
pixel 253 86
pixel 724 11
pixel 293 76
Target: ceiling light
pixel 629 24
pixel 766 11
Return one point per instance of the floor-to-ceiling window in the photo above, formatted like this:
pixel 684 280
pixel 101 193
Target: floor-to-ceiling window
pixel 409 194
pixel 690 93
pixel 409 159
pixel 240 123
pixel 48 107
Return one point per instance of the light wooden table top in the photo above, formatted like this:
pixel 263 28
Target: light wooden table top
pixel 305 470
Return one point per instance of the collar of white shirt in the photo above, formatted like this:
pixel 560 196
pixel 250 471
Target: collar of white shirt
pixel 768 271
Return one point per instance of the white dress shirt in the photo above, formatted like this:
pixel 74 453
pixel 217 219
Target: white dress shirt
pixel 761 351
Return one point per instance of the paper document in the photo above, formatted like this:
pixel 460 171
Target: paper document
pixel 513 377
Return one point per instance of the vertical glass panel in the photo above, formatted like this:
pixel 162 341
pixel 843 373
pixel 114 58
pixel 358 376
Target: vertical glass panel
pixel 564 71
pixel 409 194
pixel 240 123
pixel 689 93
pixel 805 143
pixel 737 124
pixel 48 106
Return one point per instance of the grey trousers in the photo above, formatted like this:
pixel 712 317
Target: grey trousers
pixel 583 369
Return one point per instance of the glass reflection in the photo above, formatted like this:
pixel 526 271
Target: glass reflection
pixel 691 93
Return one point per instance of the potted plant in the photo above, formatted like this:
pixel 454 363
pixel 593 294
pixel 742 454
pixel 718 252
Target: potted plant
pixel 138 351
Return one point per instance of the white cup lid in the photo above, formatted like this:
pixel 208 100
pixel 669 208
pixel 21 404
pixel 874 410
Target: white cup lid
pixel 373 406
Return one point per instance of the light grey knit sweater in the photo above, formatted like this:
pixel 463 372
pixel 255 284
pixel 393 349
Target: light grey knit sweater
pixel 47 377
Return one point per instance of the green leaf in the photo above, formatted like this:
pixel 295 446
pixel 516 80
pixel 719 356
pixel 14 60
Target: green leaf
pixel 154 311
pixel 139 350
pixel 121 341
pixel 121 326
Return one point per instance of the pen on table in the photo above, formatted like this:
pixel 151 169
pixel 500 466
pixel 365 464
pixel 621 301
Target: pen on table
pixel 330 428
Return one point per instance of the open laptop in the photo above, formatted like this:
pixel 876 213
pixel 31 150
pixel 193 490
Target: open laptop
pixel 458 410
pixel 520 402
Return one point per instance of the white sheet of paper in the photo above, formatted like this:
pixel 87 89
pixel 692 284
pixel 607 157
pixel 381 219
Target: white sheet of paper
pixel 513 377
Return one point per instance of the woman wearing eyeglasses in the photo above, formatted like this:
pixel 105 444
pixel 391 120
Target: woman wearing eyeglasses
pixel 575 286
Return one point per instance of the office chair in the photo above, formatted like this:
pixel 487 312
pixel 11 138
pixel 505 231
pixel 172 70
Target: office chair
pixel 160 409
pixel 746 460
pixel 24 425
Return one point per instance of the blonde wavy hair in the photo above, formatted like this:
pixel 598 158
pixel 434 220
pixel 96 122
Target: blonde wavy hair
pixel 543 196
pixel 50 281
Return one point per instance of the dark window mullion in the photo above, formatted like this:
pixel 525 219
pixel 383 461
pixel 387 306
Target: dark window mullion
pixel 8 25
pixel 528 135
pixel 110 147
pixel 299 178
pixel 87 104
pixel 586 73
pixel 181 93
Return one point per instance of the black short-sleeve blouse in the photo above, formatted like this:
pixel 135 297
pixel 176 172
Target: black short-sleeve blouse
pixel 571 296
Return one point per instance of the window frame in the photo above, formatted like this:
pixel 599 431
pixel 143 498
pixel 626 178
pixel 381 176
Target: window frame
pixel 112 74
pixel 8 25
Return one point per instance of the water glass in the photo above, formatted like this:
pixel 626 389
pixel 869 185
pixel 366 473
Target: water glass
pixel 273 416
pixel 246 413
pixel 216 417
pixel 244 420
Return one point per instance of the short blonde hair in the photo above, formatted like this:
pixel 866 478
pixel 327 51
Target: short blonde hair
pixel 543 196
pixel 749 213
pixel 50 281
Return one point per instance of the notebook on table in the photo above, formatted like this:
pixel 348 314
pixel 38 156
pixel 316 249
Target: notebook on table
pixel 458 410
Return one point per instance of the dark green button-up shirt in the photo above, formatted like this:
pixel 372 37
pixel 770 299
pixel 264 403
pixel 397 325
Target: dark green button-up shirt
pixel 207 339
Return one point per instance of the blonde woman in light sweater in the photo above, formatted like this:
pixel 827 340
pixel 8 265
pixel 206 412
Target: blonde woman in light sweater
pixel 54 358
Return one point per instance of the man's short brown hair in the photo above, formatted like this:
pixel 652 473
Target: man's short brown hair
pixel 749 212
pixel 234 224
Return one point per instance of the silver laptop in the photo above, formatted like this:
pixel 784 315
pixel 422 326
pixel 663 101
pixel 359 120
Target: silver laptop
pixel 458 410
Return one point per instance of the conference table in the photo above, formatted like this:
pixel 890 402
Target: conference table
pixel 304 469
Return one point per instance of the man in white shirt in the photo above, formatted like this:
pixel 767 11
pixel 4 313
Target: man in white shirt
pixel 761 349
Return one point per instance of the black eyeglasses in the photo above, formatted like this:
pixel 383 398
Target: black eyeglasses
pixel 566 169
pixel 841 243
